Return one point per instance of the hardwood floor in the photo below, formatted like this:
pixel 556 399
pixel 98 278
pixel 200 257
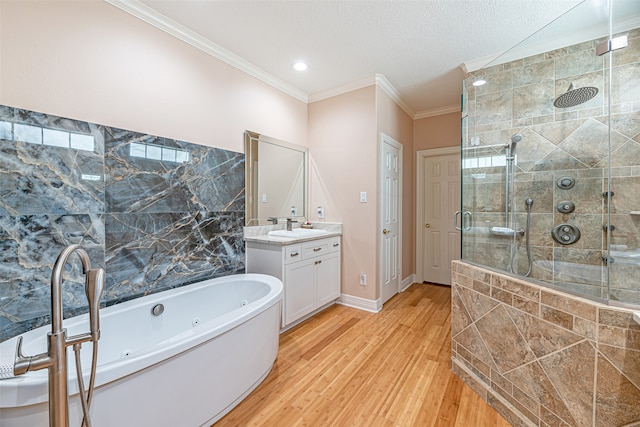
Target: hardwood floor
pixel 347 367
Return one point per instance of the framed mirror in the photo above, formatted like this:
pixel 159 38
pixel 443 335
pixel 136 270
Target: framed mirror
pixel 276 178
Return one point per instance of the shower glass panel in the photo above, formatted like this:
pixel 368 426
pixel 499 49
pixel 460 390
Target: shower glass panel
pixel 551 156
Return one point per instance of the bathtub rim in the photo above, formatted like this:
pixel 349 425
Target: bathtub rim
pixel 34 384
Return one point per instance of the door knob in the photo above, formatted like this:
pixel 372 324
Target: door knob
pixel 385 231
pixel 427 226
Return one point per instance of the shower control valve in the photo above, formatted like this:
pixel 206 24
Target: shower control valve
pixel 565 234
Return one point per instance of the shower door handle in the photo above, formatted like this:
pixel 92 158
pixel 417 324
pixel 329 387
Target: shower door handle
pixel 455 220
pixel 467 213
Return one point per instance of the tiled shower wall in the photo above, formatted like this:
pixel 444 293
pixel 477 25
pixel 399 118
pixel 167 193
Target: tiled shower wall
pixel 156 213
pixel 556 143
pixel 542 357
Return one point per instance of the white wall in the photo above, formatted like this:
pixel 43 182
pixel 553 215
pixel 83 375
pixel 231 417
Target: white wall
pixel 89 60
pixel 343 146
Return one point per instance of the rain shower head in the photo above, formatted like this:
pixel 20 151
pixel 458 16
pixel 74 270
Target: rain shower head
pixel 573 97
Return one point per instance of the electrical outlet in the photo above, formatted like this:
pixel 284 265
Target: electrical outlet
pixel 363 279
pixel 320 212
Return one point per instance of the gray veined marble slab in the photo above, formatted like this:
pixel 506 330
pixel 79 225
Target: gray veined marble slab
pixel 153 174
pixel 39 179
pixel 29 246
pixel 151 252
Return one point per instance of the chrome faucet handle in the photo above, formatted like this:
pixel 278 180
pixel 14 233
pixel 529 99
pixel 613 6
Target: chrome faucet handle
pixel 273 219
pixel 22 362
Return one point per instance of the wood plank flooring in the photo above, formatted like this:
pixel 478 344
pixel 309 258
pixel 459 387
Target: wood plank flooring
pixel 347 367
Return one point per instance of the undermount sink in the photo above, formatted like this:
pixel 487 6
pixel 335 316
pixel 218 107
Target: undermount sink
pixel 297 233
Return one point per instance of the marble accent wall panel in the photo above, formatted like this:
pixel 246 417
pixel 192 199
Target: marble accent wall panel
pixel 153 174
pixel 542 357
pixel 146 253
pixel 156 213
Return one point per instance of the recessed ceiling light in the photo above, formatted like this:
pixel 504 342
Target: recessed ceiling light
pixel 479 82
pixel 300 66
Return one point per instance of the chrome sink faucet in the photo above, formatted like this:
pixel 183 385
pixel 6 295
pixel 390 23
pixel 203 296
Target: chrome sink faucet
pixel 55 359
pixel 290 222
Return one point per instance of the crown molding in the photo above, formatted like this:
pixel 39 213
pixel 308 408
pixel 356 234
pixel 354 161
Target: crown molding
pixel 378 80
pixel 349 87
pixel 152 17
pixel 454 108
pixel 169 26
pixel 388 88
pixel 476 64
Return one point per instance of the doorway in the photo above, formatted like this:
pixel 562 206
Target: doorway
pixel 437 200
pixel 390 237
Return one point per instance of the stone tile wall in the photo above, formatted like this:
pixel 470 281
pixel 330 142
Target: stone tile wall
pixel 156 213
pixel 542 357
pixel 573 142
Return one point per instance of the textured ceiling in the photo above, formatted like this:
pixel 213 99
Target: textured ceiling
pixel 417 46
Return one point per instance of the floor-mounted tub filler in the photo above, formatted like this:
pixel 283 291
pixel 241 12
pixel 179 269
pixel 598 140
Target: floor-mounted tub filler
pixel 183 357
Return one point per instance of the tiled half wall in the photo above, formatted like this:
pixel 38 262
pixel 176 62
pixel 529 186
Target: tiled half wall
pixel 156 213
pixel 541 357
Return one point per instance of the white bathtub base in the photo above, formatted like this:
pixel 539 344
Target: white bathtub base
pixel 237 401
pixel 196 387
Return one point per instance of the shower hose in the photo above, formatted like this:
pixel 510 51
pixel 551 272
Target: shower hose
pixel 529 203
pixel 85 397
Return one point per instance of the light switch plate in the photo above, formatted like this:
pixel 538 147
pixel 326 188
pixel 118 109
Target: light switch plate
pixel 363 197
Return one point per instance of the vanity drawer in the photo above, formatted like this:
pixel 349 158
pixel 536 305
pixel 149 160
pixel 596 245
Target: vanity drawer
pixel 315 248
pixel 292 253
pixel 334 244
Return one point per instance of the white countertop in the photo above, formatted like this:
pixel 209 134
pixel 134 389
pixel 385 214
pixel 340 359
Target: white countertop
pixel 259 233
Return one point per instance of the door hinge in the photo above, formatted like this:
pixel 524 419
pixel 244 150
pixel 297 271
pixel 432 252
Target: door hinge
pixel 613 44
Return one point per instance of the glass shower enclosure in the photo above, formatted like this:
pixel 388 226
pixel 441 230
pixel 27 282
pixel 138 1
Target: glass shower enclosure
pixel 551 156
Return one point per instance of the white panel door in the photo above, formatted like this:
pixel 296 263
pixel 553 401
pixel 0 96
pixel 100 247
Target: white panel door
pixel 390 269
pixel 441 199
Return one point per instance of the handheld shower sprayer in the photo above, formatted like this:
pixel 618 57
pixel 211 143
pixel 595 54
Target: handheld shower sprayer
pixel 515 138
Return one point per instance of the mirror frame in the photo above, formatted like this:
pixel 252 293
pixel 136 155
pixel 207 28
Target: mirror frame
pixel 251 140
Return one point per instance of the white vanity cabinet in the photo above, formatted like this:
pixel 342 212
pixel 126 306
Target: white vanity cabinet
pixel 309 270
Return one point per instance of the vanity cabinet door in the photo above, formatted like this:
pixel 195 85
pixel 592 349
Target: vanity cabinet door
pixel 327 271
pixel 299 292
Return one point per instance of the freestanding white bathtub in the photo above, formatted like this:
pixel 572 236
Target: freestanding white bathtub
pixel 214 343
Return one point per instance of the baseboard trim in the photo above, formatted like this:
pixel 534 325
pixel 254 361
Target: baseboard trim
pixel 408 281
pixel 373 306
